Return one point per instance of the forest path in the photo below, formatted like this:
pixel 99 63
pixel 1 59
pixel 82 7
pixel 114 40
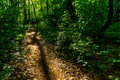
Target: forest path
pixel 42 64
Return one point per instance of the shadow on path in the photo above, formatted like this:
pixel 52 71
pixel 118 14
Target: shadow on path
pixel 42 61
pixel 47 67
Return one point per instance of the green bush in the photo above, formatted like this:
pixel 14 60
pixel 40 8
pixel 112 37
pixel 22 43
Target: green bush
pixel 10 41
pixel 6 72
pixel 71 44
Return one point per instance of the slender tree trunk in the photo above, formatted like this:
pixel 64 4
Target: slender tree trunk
pixel 19 17
pixel 25 13
pixel 71 10
pixel 109 20
pixel 35 13
pixel 29 7
pixel 41 7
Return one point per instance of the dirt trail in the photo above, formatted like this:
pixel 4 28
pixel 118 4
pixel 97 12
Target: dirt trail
pixel 42 64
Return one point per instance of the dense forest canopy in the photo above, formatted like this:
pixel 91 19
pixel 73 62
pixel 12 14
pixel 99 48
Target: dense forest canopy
pixel 85 31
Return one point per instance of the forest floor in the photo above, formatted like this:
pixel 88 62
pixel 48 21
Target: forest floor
pixel 40 63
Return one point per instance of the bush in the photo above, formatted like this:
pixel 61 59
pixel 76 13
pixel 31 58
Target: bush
pixel 72 45
pixel 10 41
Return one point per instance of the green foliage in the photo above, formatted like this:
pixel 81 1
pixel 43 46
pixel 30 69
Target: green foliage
pixel 10 42
pixel 70 44
pixel 11 37
pixel 49 33
pixel 113 32
pixel 73 39
pixel 6 72
pixel 92 15
pixel 113 78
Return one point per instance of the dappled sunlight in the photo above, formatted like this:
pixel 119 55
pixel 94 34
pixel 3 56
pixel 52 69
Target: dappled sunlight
pixel 45 65
pixel 35 57
pixel 59 39
pixel 30 34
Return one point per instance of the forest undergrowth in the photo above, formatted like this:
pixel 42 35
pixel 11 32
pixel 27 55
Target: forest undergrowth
pixel 84 32
pixel 40 63
pixel 102 58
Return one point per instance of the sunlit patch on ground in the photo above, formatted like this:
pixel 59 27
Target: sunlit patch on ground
pixel 42 64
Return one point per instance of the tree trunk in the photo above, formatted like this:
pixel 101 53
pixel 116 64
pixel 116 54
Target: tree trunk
pixel 41 7
pixel 109 20
pixel 71 10
pixel 29 11
pixel 18 17
pixel 36 22
pixel 25 13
